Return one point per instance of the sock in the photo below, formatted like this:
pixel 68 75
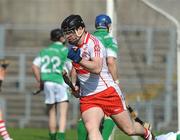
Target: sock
pixel 3 132
pixel 146 133
pixel 52 136
pixel 107 129
pixel 60 136
pixel 82 133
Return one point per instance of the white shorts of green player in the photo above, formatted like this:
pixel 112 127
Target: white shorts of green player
pixel 55 93
pixel 169 136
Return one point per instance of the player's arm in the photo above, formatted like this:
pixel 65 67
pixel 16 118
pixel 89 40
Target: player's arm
pixel 36 72
pixel 112 66
pixel 112 50
pixel 36 64
pixel 94 65
pixel 73 75
pixel 74 88
pixel 2 73
pixel 3 66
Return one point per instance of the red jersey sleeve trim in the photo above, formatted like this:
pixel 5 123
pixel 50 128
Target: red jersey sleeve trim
pixel 96 46
pixel 79 69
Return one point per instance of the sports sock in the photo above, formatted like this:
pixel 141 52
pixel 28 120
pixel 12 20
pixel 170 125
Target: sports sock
pixel 3 131
pixel 60 136
pixel 52 136
pixel 82 133
pixel 148 135
pixel 107 129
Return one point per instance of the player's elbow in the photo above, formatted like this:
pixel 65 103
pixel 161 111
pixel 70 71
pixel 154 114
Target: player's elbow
pixel 98 66
pixel 97 70
pixel 111 61
pixel 34 68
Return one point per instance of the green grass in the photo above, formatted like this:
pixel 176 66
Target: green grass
pixel 43 134
pixel 37 134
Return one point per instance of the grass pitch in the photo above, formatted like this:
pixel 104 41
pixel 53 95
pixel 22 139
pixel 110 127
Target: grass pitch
pixel 37 134
pixel 43 134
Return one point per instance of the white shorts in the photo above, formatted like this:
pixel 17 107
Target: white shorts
pixel 55 93
pixel 168 136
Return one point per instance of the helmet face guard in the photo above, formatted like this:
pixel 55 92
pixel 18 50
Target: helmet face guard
pixel 69 32
pixel 70 25
pixel 102 21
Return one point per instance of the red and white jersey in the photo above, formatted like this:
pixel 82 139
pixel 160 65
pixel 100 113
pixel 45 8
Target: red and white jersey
pixel 93 83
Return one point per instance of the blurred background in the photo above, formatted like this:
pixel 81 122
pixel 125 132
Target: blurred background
pixel 147 62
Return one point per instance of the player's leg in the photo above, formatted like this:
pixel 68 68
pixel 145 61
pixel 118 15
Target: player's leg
pixel 130 127
pixel 51 108
pixel 61 97
pixel 123 119
pixel 3 130
pixel 52 121
pixel 63 109
pixel 92 118
pixel 81 130
pixel 107 128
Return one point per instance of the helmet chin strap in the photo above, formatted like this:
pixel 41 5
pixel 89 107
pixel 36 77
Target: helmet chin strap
pixel 79 35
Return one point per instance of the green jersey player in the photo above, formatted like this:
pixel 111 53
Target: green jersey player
pixel 103 28
pixel 47 68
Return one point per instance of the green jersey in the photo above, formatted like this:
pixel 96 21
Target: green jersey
pixel 108 41
pixel 52 62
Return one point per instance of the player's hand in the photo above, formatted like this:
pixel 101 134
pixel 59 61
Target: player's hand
pixel 74 54
pixel 4 63
pixel 76 92
pixel 40 85
pixel 0 84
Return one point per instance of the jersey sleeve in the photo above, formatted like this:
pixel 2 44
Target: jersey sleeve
pixel 96 49
pixel 37 61
pixel 111 47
